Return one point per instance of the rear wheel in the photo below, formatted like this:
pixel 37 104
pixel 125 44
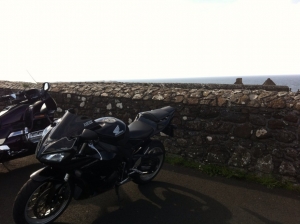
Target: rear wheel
pixel 41 202
pixel 151 163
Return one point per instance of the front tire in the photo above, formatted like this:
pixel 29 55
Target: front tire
pixel 152 162
pixel 41 202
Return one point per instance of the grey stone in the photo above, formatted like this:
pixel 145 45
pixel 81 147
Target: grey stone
pixel 285 136
pixel 215 155
pixel 258 120
pixel 265 164
pixel 137 97
pixel 262 133
pixel 182 142
pixel 287 168
pixel 240 158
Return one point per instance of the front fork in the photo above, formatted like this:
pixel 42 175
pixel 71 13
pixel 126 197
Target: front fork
pixel 56 177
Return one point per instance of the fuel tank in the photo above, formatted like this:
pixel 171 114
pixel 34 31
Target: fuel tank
pixel 112 130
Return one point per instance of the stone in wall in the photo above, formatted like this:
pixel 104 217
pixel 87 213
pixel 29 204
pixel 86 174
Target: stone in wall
pixel 194 153
pixel 243 131
pixel 285 136
pixel 217 127
pixel 222 102
pixel 266 94
pixel 258 150
pixel 207 113
pixel 254 103
pixel 265 164
pixel 258 120
pixel 246 143
pixel 297 106
pixel 278 153
pixel 236 98
pixel 171 147
pixel 240 158
pixel 262 133
pixel 235 118
pixel 287 168
pixel 182 142
pixel 215 139
pixel 217 154
pixel 194 125
pixel 197 140
pixel 291 117
pixel 277 103
pixel 291 154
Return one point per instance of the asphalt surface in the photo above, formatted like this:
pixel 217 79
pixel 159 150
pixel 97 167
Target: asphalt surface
pixel 176 195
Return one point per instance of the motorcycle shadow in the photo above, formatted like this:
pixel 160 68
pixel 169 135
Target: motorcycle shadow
pixel 161 202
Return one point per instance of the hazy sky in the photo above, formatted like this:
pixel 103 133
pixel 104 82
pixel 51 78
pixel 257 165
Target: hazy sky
pixel 135 39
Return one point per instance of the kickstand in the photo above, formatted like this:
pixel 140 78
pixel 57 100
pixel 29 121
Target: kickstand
pixel 117 187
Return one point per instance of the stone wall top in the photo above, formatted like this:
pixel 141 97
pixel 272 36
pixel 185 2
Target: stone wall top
pixel 221 95
pixel 22 85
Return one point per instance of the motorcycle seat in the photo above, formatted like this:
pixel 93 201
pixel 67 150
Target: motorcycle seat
pixel 158 114
pixel 139 130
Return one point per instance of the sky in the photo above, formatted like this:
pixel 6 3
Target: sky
pixel 142 39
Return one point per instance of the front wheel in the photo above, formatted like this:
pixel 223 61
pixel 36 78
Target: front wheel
pixel 41 202
pixel 151 163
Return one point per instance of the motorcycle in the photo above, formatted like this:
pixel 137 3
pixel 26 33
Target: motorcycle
pixel 86 157
pixel 22 123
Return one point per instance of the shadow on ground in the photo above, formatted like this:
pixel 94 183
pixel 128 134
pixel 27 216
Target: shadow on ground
pixel 167 203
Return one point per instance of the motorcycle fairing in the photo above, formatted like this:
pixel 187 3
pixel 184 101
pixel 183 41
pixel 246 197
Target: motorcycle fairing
pixel 46 173
pixel 15 115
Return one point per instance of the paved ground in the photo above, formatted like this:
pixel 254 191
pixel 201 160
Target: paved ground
pixel 177 195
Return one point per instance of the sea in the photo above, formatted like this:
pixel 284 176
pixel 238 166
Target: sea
pixel 292 81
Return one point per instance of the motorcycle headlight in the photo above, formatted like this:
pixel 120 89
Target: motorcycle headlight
pixel 2 140
pixel 57 157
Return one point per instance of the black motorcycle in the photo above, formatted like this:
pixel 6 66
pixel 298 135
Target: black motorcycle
pixel 86 157
pixel 22 123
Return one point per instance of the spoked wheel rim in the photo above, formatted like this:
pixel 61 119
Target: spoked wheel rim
pixel 155 161
pixel 47 202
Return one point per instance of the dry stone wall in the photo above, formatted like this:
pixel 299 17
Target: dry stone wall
pixel 253 128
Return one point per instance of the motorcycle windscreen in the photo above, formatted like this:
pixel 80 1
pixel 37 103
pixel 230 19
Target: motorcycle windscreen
pixel 71 125
pixel 62 136
pixel 63 144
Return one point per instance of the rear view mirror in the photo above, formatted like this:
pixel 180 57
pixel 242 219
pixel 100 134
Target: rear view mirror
pixel 46 86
